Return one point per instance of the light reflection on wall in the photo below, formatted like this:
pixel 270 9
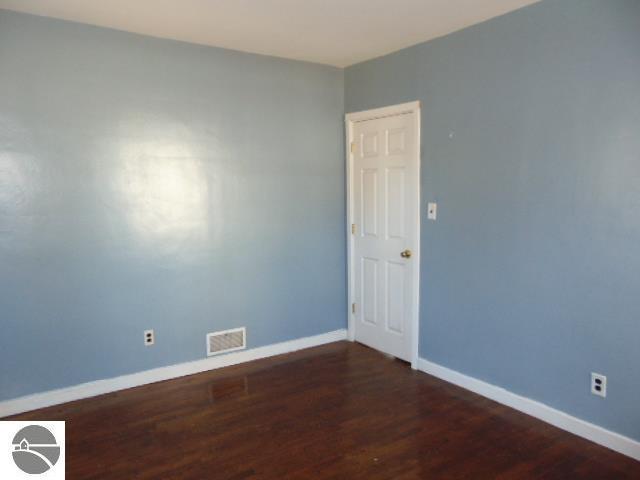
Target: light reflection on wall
pixel 18 181
pixel 165 192
pixel 12 184
pixel 19 175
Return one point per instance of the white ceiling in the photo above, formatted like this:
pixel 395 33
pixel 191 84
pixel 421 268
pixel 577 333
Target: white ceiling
pixel 333 32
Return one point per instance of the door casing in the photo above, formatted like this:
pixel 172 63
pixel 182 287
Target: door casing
pixel 412 108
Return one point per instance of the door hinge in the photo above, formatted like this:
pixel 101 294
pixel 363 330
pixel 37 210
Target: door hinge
pixel 353 147
pixel 353 229
pixel 353 308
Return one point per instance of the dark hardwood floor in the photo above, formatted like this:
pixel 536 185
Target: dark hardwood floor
pixel 340 411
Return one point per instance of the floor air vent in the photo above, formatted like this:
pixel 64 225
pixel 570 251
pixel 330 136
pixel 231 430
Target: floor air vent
pixel 226 341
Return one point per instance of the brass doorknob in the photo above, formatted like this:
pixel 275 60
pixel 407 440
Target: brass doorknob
pixel 406 254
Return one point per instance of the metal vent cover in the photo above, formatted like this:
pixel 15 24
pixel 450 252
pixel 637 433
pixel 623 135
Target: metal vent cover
pixel 226 341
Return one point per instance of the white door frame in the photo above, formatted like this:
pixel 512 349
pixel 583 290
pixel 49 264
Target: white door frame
pixel 350 119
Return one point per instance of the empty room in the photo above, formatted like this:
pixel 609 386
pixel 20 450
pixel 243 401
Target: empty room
pixel 319 239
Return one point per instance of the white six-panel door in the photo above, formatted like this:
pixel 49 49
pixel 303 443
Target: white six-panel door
pixel 384 210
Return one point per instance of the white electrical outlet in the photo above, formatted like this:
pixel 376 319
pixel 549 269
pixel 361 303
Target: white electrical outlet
pixel 432 211
pixel 598 384
pixel 149 338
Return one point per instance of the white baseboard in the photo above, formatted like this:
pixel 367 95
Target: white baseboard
pixel 596 434
pixel 100 387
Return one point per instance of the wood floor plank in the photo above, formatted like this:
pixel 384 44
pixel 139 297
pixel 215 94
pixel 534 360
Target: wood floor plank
pixel 340 411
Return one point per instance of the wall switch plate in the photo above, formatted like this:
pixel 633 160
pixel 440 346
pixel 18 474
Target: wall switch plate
pixel 149 338
pixel 432 211
pixel 599 384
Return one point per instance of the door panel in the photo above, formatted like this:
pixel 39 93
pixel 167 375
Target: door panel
pixel 369 290
pixel 396 273
pixel 385 196
pixel 396 141
pixel 369 144
pixel 394 200
pixel 369 202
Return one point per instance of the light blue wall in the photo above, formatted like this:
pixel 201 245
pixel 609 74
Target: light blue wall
pixel 147 183
pixel 531 146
